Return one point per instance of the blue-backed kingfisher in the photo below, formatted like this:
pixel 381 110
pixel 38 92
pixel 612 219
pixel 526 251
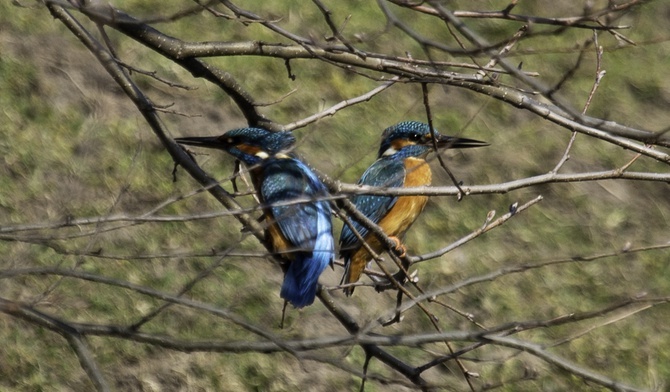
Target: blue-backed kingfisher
pixel 401 162
pixel 294 201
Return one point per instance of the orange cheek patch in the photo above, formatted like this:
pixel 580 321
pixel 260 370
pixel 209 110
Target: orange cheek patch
pixel 398 144
pixel 251 150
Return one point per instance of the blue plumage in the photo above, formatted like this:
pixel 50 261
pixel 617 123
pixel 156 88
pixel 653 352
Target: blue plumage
pixel 384 172
pixel 401 162
pixel 387 171
pixel 299 220
pixel 292 191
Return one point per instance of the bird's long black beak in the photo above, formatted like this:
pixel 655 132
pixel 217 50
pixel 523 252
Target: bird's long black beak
pixel 444 141
pixel 201 141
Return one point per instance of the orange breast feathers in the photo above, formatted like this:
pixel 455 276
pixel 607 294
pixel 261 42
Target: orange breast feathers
pixel 399 218
pixel 407 208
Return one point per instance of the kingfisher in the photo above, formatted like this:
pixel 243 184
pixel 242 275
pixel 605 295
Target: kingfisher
pixel 296 212
pixel 401 162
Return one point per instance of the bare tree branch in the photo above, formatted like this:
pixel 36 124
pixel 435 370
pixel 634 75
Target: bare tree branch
pixel 561 363
pixel 87 362
pixel 418 337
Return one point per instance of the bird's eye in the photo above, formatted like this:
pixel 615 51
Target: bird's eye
pixel 415 137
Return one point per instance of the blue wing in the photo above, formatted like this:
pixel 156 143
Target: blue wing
pixel 305 225
pixel 284 182
pixel 385 172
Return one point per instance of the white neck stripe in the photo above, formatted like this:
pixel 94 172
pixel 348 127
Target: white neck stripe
pixel 389 151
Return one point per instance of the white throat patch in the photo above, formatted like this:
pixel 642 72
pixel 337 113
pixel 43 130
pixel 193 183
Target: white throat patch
pixel 262 155
pixel 389 151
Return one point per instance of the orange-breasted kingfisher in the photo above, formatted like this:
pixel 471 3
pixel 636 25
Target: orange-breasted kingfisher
pixel 401 162
pixel 294 201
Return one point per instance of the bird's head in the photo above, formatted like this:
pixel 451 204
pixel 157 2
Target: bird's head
pixel 249 145
pixel 413 138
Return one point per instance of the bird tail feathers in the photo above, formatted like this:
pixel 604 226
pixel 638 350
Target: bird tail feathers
pixel 302 277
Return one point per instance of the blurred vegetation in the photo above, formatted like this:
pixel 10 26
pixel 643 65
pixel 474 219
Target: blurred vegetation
pixel 73 146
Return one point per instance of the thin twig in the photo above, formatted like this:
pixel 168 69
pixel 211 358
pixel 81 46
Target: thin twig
pixel 327 15
pixel 488 226
pixel 331 111
pixel 581 22
pixel 426 104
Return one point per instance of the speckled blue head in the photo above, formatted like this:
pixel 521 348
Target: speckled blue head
pixel 250 145
pixel 413 138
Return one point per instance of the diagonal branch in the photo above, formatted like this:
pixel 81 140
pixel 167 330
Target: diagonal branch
pixel 337 107
pixel 163 44
pixel 146 109
pixel 572 368
pixel 88 363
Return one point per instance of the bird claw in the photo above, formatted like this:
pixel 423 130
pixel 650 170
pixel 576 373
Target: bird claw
pixel 399 247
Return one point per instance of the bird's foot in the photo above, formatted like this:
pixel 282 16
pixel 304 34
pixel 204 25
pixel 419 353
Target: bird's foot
pixel 399 247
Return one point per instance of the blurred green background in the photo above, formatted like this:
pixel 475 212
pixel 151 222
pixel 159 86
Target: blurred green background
pixel 73 146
